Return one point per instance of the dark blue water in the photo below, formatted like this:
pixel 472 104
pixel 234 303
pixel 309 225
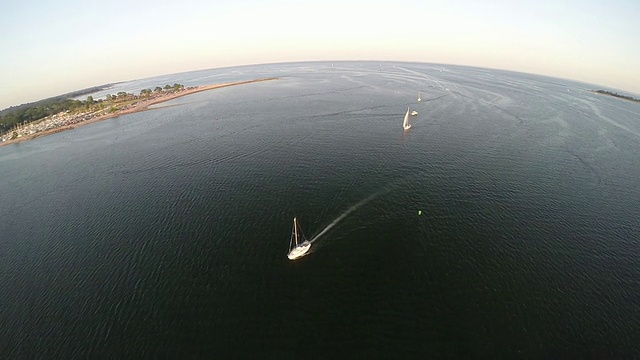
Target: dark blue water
pixel 164 233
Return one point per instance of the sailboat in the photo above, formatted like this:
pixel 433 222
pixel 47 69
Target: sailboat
pixel 405 123
pixel 419 97
pixel 298 245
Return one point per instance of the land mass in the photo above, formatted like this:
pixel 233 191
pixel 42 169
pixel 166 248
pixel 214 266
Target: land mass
pixel 114 106
pixel 53 99
pixel 609 93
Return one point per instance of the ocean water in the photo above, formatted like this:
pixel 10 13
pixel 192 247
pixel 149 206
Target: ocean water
pixel 164 233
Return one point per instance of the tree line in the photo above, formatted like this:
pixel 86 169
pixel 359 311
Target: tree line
pixel 626 97
pixel 41 109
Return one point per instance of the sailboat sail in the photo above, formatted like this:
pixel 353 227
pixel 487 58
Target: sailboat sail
pixel 405 123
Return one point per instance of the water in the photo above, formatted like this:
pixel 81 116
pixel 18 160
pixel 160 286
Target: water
pixel 342 216
pixel 164 233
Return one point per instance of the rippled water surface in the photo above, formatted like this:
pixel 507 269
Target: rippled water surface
pixel 164 233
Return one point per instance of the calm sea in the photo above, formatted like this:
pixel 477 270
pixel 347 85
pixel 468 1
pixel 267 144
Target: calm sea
pixel 165 233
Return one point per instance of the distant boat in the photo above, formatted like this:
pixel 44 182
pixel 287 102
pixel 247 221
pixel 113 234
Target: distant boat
pixel 414 113
pixel 419 97
pixel 298 245
pixel 405 123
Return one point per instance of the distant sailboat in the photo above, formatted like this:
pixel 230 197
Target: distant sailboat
pixel 419 97
pixel 298 245
pixel 405 123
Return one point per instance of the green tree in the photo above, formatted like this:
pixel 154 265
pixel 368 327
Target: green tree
pixel 157 89
pixel 75 105
pixel 90 100
pixel 167 87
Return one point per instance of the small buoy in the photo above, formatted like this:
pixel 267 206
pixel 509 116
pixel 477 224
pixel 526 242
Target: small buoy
pixel 419 212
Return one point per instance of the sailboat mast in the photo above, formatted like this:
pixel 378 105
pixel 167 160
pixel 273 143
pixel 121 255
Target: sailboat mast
pixel 295 230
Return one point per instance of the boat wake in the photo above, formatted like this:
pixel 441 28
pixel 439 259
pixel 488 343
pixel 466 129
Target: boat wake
pixel 346 213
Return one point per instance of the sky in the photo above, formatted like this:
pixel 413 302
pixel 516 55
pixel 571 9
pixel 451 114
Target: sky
pixel 52 47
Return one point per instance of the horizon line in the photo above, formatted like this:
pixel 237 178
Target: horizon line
pixel 605 87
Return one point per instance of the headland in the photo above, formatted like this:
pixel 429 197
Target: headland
pixel 620 96
pixel 113 106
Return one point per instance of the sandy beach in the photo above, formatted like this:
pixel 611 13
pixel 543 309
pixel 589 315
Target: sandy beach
pixel 141 105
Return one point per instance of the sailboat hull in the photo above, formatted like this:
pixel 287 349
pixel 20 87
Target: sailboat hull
pixel 299 250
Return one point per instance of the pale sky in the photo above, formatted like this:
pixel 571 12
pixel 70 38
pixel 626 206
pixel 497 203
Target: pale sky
pixel 52 47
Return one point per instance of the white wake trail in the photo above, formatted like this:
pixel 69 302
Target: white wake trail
pixel 349 211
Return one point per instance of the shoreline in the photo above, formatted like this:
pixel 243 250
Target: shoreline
pixel 142 105
pixel 615 95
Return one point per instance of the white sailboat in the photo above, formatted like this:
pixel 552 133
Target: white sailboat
pixel 419 97
pixel 405 123
pixel 298 244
